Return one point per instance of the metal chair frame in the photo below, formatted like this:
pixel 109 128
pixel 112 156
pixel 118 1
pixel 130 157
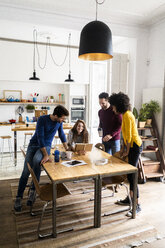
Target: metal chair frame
pixel 48 198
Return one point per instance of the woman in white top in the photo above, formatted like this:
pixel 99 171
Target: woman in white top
pixel 78 134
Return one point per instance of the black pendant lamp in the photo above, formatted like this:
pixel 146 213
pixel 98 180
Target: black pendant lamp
pixel 34 77
pixel 96 41
pixel 69 75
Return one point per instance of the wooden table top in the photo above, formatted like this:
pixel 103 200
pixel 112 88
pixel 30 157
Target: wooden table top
pixel 33 127
pixel 58 172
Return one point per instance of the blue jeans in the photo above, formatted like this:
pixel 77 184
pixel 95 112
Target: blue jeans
pixel 33 157
pixel 112 146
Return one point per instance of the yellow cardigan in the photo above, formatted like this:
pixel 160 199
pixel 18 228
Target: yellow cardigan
pixel 129 129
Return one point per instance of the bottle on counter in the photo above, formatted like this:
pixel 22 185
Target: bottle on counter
pixel 56 155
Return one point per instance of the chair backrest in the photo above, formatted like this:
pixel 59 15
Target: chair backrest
pixel 35 181
pixel 100 146
pixel 117 155
pixel 23 152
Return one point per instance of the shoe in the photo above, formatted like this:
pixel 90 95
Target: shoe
pixel 126 201
pixel 18 204
pixel 31 197
pixel 138 209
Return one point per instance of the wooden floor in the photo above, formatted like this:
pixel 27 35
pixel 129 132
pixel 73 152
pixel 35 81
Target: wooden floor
pixel 117 230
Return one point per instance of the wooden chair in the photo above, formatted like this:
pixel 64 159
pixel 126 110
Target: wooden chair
pixel 100 146
pixel 8 138
pixel 117 180
pixel 25 138
pixel 45 193
pixel 23 152
pixel 113 182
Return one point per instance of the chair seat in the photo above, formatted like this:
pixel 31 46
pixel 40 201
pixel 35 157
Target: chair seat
pixel 28 133
pixel 46 191
pixel 114 180
pixel 5 137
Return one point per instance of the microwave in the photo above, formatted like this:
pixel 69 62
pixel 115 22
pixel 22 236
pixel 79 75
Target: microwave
pixel 78 101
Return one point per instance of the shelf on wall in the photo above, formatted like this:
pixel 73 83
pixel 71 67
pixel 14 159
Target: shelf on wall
pixel 34 81
pixel 34 103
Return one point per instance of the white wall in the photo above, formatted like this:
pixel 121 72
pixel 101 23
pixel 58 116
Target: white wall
pixel 17 64
pixel 157 95
pixel 156 56
pixel 140 46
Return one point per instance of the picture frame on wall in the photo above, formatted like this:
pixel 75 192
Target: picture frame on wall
pixel 12 95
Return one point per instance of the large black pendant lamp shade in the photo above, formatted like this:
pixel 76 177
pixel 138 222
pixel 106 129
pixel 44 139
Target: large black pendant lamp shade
pixel 96 41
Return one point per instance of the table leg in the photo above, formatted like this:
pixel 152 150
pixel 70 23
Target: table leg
pixel 97 202
pixel 15 147
pixel 135 178
pixel 54 210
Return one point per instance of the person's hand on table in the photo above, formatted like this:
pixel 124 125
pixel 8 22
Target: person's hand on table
pixel 107 138
pixel 45 159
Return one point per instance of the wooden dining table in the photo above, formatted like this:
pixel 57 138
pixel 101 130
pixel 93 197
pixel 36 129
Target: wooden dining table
pixel 30 127
pixel 58 173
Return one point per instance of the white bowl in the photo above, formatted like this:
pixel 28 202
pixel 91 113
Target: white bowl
pixel 101 161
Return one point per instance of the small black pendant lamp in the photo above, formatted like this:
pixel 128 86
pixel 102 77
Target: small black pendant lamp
pixel 96 41
pixel 69 75
pixel 34 56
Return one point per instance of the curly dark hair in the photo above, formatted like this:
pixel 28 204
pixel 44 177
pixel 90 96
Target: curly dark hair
pixel 120 101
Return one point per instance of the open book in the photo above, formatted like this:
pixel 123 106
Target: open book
pixel 83 147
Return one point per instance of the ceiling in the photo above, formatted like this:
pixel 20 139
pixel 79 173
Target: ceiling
pixel 137 12
pixel 58 18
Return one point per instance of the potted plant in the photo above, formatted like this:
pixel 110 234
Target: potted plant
pixel 51 99
pixel 30 108
pixel 142 117
pixel 151 108
pixel 135 113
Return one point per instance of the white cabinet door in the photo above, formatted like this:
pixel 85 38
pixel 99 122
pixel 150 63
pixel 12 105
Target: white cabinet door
pixel 119 73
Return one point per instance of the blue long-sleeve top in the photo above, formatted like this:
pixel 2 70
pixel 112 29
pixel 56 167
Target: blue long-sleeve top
pixel 46 130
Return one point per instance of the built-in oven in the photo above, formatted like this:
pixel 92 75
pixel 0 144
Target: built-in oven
pixel 77 114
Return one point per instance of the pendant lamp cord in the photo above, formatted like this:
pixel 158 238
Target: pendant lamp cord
pixel 69 54
pixel 97 2
pixel 38 54
pixel 48 45
pixel 67 48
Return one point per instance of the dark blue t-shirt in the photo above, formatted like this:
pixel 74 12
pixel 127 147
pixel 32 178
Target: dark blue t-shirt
pixel 46 130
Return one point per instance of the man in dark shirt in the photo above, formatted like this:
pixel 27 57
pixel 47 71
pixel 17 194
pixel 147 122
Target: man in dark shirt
pixel 39 150
pixel 110 124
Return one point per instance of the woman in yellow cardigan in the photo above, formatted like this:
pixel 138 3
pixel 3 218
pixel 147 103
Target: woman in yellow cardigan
pixel 132 145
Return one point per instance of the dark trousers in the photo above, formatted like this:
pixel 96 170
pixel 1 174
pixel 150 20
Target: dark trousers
pixel 133 158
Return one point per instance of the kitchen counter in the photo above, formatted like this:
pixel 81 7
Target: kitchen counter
pixel 5 123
